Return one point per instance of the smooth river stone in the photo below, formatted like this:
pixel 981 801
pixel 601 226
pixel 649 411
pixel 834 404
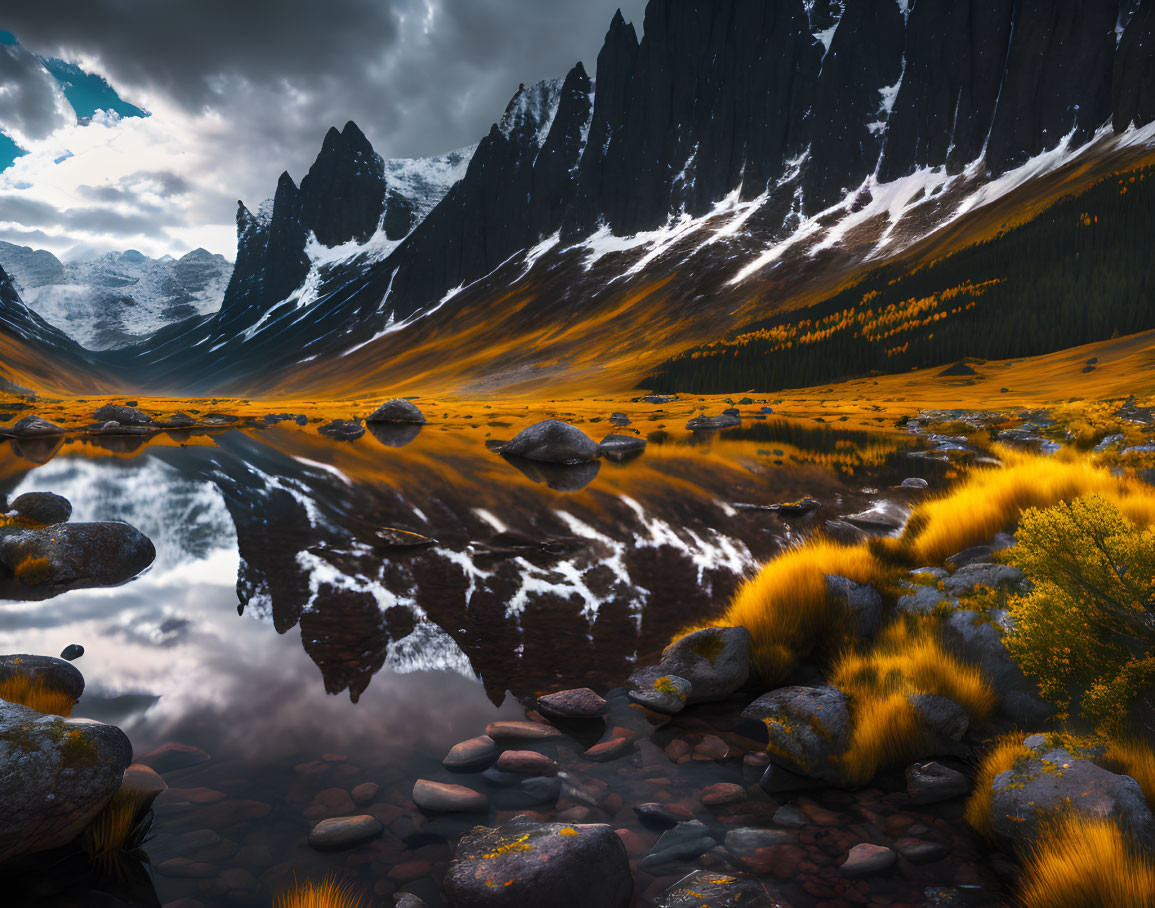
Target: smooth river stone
pixel 527 762
pixel 339 833
pixel 580 703
pixel 472 755
pixel 440 797
pixel 521 731
pixel 868 860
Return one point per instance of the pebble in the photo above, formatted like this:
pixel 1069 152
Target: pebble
pixel 72 652
pixel 723 794
pixel 173 756
pixel 930 783
pixel 920 851
pixel 439 797
pixel 472 755
pixel 521 731
pixel 609 750
pixel 527 762
pixel 579 703
pixel 365 793
pixel 664 816
pixel 789 815
pixel 868 860
pixel 340 833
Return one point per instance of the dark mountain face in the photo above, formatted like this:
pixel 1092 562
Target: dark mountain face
pixel 789 104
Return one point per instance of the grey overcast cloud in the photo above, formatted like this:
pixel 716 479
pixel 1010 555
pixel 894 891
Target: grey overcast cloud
pixel 240 91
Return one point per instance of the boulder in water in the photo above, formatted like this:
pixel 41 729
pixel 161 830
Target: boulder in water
pixel 42 507
pixel 126 416
pixel 397 411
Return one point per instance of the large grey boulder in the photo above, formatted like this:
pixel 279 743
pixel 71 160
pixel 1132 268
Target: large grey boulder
pixel 55 776
pixel 552 441
pixel 715 660
pixel 807 728
pixel 42 507
pixel 32 427
pixel 126 416
pixel 862 602
pixel 55 674
pixel 40 564
pixel 1054 780
pixel 980 642
pixel 549 864
pixel 995 576
pixel 397 411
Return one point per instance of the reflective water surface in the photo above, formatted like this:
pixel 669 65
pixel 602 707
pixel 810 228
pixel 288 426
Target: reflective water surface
pixel 282 633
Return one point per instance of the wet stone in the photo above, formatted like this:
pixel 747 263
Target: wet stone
pixel 581 703
pixel 439 797
pixel 472 755
pixel 868 860
pixel 664 693
pixel 662 816
pixel 684 842
pixel 526 762
pixel 340 833
pixel 931 782
pixel 503 732
pixel 705 889
pixel 723 794
pixel 920 851
pixel 610 750
pixel 364 793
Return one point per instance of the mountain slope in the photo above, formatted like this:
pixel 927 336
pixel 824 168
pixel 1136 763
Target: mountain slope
pixel 120 297
pixel 739 160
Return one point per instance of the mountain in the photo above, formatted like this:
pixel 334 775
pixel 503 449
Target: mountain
pixel 34 355
pixel 120 297
pixel 739 160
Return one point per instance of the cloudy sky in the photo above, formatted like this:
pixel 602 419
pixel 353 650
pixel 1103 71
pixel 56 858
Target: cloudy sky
pixel 240 90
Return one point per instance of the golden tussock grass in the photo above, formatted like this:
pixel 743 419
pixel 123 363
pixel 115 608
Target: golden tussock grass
pixel 111 832
pixel 1081 862
pixel 329 893
pixel 1001 756
pixel 989 501
pixel 907 658
pixel 785 607
pixel 1135 759
pixel 33 693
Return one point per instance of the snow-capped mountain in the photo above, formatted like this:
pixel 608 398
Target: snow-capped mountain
pixel 119 298
pixel 737 158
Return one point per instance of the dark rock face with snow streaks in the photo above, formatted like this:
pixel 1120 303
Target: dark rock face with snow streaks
pixel 793 104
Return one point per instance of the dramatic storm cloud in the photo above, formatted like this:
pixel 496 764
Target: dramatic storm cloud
pixel 239 91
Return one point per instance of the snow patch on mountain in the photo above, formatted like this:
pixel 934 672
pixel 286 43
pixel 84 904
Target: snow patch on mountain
pixel 532 110
pixel 118 298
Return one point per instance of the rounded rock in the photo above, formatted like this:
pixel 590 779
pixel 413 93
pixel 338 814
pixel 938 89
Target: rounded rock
pixel 472 755
pixel 397 411
pixel 715 660
pixel 43 507
pixel 580 703
pixel 552 441
pixel 440 797
pixel 868 860
pixel 341 833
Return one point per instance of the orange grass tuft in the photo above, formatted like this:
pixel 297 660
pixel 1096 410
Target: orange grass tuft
pixel 1135 759
pixel 1081 862
pixel 33 693
pixel 1002 755
pixel 907 658
pixel 785 607
pixel 111 831
pixel 329 893
pixel 990 501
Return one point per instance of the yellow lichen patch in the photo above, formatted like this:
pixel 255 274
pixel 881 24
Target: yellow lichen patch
pixel 1001 756
pixel 329 893
pixel 35 694
pixel 32 571
pixel 517 845
pixel 1082 861
pixel 568 831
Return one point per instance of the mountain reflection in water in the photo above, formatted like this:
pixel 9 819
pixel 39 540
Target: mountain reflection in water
pixel 526 589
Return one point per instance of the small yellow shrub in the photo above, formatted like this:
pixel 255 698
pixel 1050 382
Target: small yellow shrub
pixel 33 693
pixel 327 894
pixel 1004 752
pixel 1081 862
